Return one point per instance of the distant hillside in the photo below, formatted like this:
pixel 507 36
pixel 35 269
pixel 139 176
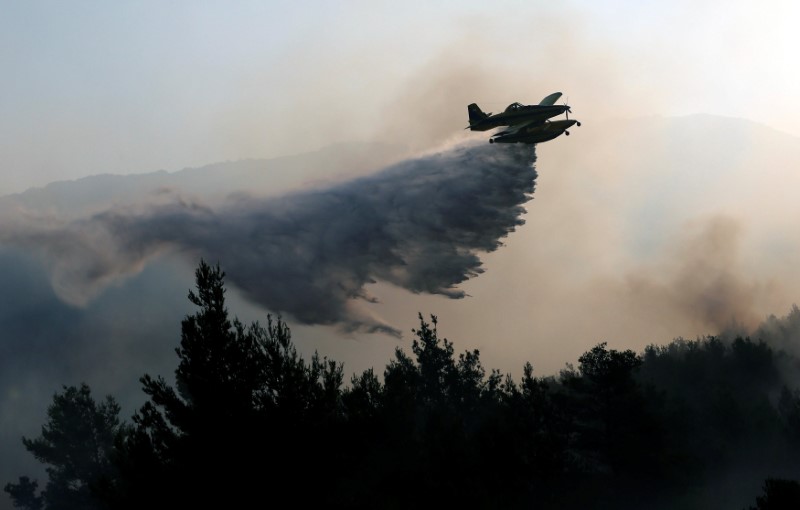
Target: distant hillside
pixel 212 182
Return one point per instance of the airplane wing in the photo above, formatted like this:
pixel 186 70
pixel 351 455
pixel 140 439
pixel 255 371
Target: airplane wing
pixel 551 99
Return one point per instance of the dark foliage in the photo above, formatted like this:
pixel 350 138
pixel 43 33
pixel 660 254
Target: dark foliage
pixel 76 445
pixel 248 415
pixel 779 495
pixel 249 421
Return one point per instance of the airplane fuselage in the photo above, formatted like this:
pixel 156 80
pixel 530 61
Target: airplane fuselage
pixel 517 115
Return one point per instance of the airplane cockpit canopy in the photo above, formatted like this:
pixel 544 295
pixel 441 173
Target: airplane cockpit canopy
pixel 513 107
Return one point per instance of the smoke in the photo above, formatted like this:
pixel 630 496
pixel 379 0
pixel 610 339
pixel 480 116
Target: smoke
pixel 702 278
pixel 419 225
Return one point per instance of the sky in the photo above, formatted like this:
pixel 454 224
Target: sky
pixel 132 87
pixel 670 211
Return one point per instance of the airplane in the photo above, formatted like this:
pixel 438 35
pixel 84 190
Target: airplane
pixel 527 123
pixel 515 113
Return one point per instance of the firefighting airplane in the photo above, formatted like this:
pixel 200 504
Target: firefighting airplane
pixel 526 123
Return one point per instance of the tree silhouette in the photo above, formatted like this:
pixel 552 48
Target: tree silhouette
pixel 76 444
pixel 24 494
pixel 789 409
pixel 242 398
pixel 779 495
pixel 247 420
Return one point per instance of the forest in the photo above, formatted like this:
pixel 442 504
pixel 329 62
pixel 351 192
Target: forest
pixel 248 420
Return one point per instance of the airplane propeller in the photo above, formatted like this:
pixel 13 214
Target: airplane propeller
pixel 567 111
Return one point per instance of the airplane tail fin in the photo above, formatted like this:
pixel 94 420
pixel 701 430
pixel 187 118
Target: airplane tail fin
pixel 475 114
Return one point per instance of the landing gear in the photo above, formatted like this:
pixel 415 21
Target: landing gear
pixel 491 141
pixel 566 133
pixel 578 124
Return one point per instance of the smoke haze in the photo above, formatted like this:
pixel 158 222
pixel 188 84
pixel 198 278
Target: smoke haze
pixel 419 225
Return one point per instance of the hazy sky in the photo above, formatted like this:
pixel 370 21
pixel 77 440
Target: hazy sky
pixel 121 87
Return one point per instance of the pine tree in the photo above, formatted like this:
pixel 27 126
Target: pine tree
pixel 76 445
